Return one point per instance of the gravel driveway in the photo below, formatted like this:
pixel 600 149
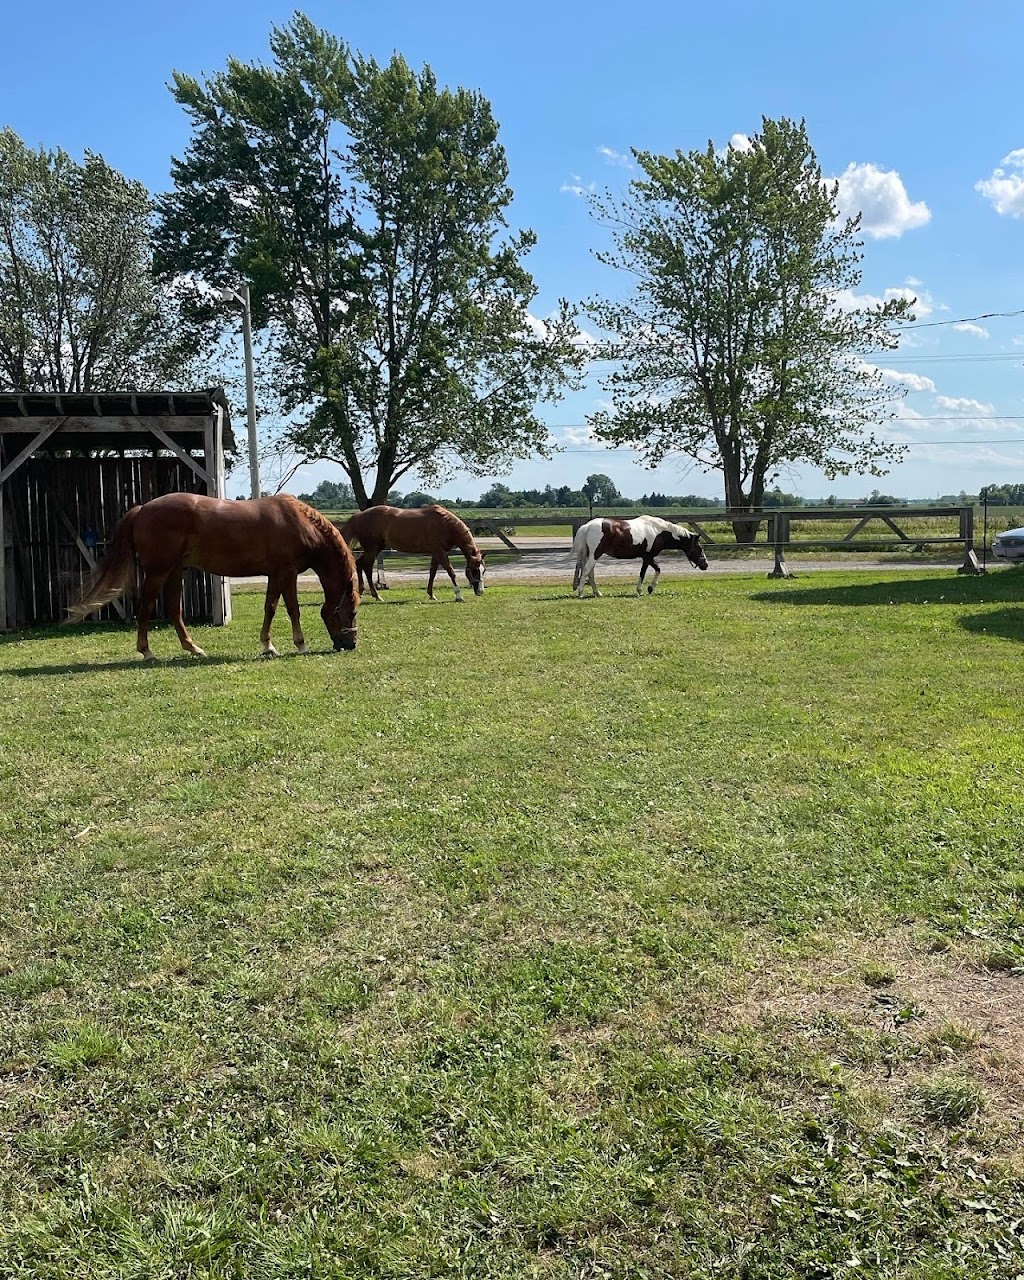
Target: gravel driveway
pixel 551 560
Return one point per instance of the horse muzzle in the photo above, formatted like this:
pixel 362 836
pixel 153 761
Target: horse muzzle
pixel 345 639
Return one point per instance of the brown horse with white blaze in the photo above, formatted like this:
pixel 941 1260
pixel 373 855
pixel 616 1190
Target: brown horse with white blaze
pixel 432 531
pixel 277 536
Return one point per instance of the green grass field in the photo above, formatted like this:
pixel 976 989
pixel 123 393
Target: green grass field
pixel 674 937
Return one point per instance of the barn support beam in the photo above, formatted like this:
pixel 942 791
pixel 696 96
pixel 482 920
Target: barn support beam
pixel 214 442
pixel 29 450
pixel 3 556
pixel 187 458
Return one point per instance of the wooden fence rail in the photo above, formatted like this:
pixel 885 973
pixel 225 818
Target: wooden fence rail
pixel 778 523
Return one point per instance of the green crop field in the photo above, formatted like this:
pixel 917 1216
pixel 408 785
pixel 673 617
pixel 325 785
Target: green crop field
pixel 665 937
pixel 558 525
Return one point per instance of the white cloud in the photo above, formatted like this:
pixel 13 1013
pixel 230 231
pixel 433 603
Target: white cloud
pixel 616 158
pixel 541 329
pixel 909 426
pixel 975 330
pixel 576 186
pixel 912 381
pixel 1005 187
pixel 962 404
pixel 582 438
pixel 740 142
pixel 881 198
pixel 847 300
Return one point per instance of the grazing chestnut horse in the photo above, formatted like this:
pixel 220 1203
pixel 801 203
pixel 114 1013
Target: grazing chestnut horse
pixel 278 536
pixel 642 538
pixel 432 531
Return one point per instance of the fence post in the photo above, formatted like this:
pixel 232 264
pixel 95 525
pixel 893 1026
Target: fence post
pixel 778 536
pixel 970 564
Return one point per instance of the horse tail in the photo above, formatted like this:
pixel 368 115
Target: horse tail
pixel 350 529
pixel 113 576
pixel 579 548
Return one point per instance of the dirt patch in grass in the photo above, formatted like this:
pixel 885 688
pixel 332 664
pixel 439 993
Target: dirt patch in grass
pixel 905 1020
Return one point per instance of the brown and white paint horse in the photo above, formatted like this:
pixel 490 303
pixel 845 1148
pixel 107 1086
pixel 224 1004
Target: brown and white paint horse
pixel 432 531
pixel 642 538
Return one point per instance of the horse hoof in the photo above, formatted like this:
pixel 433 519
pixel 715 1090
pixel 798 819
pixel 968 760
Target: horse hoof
pixel 197 652
pixel 269 653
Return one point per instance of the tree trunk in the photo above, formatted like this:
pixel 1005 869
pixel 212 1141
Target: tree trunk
pixel 745 531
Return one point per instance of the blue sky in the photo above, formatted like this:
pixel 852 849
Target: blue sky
pixel 914 105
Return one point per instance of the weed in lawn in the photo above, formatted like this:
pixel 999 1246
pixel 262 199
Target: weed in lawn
pixel 949 1099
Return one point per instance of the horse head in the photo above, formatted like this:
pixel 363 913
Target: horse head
pixel 475 570
pixel 341 619
pixel 689 543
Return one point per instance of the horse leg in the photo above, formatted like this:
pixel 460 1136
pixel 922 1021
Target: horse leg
pixel 657 574
pixel 269 609
pixel 446 564
pixel 435 564
pixel 151 587
pixel 586 574
pixel 640 580
pixel 291 603
pixel 172 598
pixel 365 565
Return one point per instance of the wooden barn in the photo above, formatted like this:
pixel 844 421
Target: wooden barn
pixel 72 465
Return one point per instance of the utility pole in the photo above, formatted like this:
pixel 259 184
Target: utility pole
pixel 232 295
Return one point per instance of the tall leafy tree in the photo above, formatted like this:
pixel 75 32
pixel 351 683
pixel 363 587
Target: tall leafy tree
pixel 601 489
pixel 79 309
pixel 742 344
pixel 365 206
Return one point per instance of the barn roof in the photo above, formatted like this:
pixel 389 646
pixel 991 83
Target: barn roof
pixel 113 419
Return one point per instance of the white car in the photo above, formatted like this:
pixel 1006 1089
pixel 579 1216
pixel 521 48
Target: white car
pixel 1009 545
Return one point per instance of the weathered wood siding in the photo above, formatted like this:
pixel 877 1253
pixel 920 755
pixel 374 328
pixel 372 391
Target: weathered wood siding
pixel 48 501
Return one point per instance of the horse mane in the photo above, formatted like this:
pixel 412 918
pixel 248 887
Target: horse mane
pixel 326 527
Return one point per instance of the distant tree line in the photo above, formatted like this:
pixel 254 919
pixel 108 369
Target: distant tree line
pixel 331 495
pixel 338 495
pixel 1002 495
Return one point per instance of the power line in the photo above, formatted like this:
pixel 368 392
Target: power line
pixel 952 358
pixel 903 444
pixel 935 324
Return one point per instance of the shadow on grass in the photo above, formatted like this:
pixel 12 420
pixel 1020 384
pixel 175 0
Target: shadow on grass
pixel 123 664
pixel 163 662
pixel 989 588
pixel 569 594
pixel 1007 623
